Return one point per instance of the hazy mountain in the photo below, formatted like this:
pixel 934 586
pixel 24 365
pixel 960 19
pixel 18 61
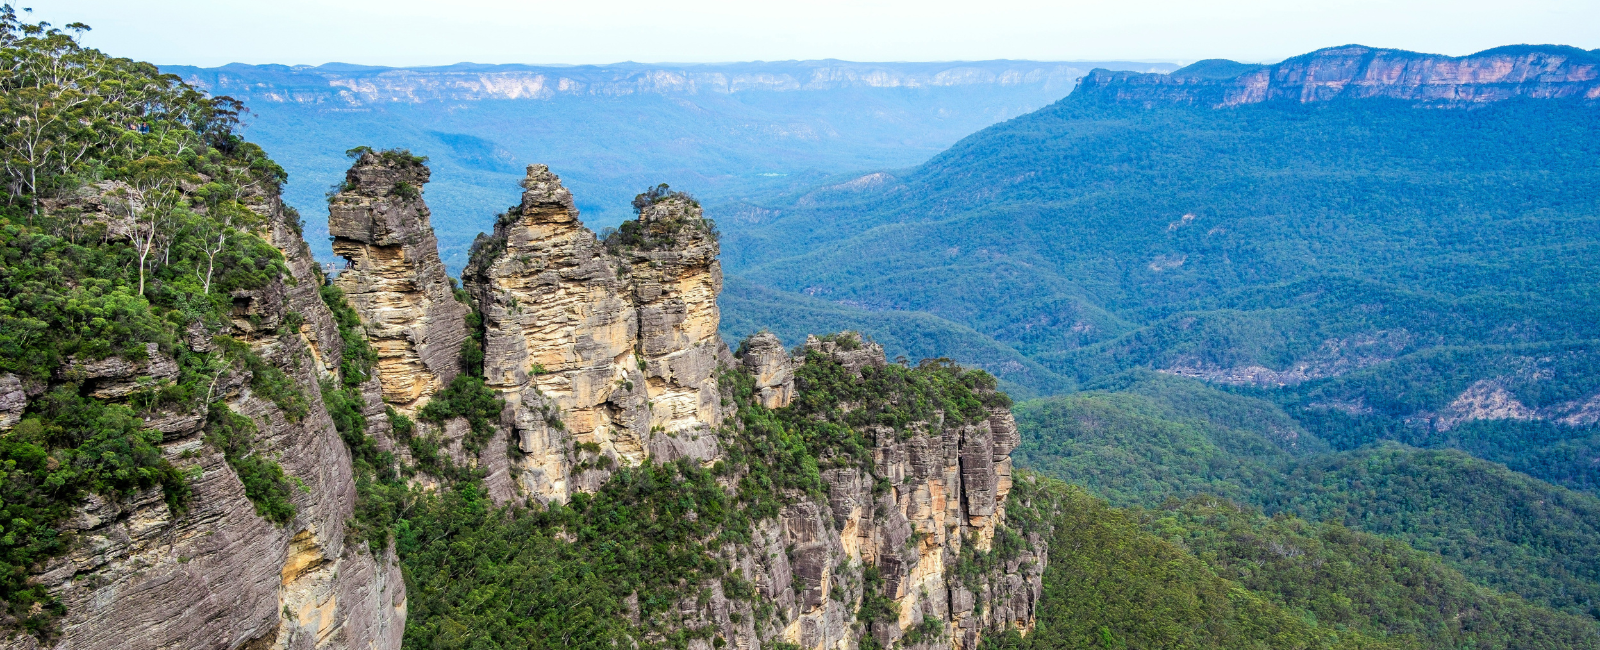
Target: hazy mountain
pixel 1285 241
pixel 1355 286
pixel 715 130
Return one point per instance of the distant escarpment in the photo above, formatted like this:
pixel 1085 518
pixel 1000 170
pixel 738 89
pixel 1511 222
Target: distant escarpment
pixel 1354 71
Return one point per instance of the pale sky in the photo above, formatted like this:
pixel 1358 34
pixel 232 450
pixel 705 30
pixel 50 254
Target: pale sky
pixel 417 32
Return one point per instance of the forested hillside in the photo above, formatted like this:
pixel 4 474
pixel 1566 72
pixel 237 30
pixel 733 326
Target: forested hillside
pixel 1095 236
pixel 1206 573
pixel 129 220
pixel 1161 438
pixel 1373 309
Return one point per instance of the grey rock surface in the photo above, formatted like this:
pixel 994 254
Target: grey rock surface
pixel 218 575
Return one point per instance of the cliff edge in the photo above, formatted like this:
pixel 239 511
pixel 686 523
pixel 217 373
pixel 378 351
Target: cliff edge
pixel 1356 71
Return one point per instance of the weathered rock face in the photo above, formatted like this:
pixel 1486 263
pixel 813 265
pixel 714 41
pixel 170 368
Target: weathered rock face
pixel 605 358
pixel 394 278
pixel 676 279
pixel 947 487
pixel 13 400
pixel 220 576
pixel 763 356
pixel 1546 72
pixel 115 377
pixel 608 355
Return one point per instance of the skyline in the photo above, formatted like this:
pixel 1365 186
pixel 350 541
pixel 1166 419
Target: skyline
pixel 411 33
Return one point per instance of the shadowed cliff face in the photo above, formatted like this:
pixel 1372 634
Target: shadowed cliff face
pixel 1354 71
pixel 394 277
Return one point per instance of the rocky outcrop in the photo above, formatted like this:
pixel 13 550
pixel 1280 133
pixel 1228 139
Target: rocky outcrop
pixel 394 278
pixel 608 355
pixel 116 377
pixel 605 357
pixel 1334 358
pixel 764 357
pixel 925 526
pixel 1354 71
pixel 13 400
pixel 219 575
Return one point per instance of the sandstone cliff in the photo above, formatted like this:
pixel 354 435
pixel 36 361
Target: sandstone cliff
pixel 394 278
pixel 922 518
pixel 220 575
pixel 607 355
pixel 1354 71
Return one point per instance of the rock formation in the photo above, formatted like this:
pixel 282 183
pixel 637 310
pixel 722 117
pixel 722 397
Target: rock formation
pixel 220 576
pixel 946 489
pixel 394 278
pixel 608 354
pixel 763 356
pixel 600 353
pixel 1354 71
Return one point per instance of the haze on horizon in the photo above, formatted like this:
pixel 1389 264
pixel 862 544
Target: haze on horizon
pixel 418 33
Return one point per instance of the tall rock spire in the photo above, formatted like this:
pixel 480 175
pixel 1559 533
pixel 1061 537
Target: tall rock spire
pixel 394 277
pixel 607 352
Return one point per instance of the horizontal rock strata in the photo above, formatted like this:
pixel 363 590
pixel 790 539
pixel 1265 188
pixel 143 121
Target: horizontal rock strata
pixel 394 278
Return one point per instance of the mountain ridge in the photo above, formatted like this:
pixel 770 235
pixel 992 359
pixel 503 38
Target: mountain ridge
pixel 1492 75
pixel 773 127
pixel 475 81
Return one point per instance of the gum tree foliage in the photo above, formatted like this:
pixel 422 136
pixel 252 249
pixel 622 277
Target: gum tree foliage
pixel 636 234
pixel 128 216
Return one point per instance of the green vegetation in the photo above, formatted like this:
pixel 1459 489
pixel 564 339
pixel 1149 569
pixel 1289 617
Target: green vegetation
pixel 67 447
pixel 1466 223
pixel 1384 258
pixel 1360 283
pixel 142 247
pixel 1350 580
pixel 466 397
pixel 1110 584
pixel 637 234
pixel 1208 574
pixel 783 451
pixel 518 576
pixel 265 484
pixel 127 229
pixel 610 567
pixel 1164 438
